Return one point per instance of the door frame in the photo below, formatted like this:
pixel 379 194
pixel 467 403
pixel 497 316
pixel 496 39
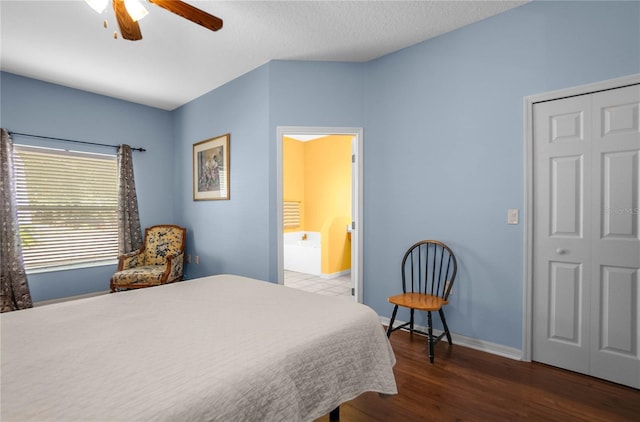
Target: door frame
pixel 357 177
pixel 529 101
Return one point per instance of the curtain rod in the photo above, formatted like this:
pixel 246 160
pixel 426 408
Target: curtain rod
pixel 71 140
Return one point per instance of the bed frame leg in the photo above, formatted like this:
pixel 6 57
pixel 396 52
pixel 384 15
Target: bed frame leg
pixel 334 415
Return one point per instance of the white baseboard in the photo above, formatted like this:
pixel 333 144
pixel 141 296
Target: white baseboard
pixel 65 299
pixel 472 343
pixel 335 275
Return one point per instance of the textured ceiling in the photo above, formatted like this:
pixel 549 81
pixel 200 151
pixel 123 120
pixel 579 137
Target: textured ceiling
pixel 64 42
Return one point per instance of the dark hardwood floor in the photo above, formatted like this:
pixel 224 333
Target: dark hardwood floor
pixel 468 385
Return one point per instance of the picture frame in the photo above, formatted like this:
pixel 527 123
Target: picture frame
pixel 211 169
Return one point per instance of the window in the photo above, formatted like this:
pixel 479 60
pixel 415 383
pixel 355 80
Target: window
pixel 291 214
pixel 67 206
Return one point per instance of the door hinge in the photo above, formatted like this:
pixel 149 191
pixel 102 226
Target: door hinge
pixel 353 158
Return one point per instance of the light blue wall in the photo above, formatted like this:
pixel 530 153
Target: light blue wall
pixel 444 144
pixel 40 108
pixel 315 93
pixel 229 236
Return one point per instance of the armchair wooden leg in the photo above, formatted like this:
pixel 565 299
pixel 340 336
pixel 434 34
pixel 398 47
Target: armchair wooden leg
pixel 444 324
pixel 430 335
pixel 393 318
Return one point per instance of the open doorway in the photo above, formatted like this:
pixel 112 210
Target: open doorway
pixel 320 230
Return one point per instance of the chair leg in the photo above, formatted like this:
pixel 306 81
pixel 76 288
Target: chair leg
pixel 411 322
pixel 393 318
pixel 444 324
pixel 430 335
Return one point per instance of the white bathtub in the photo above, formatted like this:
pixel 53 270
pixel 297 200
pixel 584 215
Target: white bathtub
pixel 303 256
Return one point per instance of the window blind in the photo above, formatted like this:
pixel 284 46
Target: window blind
pixel 67 206
pixel 291 214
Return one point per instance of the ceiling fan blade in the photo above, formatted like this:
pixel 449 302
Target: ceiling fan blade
pixel 191 13
pixel 129 29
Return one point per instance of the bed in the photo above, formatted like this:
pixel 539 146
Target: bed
pixel 218 348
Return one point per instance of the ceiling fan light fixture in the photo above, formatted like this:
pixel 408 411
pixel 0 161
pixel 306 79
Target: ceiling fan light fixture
pixel 135 9
pixel 97 5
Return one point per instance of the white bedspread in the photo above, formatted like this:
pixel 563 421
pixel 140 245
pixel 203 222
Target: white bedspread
pixel 219 348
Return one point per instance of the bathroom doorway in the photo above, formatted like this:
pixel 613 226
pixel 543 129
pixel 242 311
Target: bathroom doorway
pixel 320 196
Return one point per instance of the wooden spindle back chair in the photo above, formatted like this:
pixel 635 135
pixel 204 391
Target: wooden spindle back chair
pixel 429 269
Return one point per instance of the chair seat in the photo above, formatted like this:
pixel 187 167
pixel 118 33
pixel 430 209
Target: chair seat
pixel 423 302
pixel 147 275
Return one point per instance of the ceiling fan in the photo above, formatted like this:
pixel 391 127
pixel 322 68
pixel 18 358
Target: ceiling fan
pixel 128 12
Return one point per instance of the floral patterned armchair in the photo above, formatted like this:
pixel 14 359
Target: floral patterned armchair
pixel 159 261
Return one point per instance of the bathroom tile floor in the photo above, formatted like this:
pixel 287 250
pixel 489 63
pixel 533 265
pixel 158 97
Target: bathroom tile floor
pixel 340 286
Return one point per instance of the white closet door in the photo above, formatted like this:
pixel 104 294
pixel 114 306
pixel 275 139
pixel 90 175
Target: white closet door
pixel 615 293
pixel 586 242
pixel 562 224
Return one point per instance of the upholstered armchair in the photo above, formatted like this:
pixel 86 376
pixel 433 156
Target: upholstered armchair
pixel 159 261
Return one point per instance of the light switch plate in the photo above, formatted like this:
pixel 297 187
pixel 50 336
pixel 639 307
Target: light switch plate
pixel 512 216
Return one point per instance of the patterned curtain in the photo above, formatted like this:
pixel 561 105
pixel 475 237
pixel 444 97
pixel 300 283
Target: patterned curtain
pixel 13 279
pixel 129 232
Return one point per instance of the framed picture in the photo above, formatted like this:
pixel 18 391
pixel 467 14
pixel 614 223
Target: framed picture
pixel 211 169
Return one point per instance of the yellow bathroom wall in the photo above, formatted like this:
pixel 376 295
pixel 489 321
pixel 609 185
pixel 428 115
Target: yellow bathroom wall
pixel 338 256
pixel 293 175
pixel 317 174
pixel 327 198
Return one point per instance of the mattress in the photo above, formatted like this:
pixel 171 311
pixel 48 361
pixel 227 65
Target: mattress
pixel 218 348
